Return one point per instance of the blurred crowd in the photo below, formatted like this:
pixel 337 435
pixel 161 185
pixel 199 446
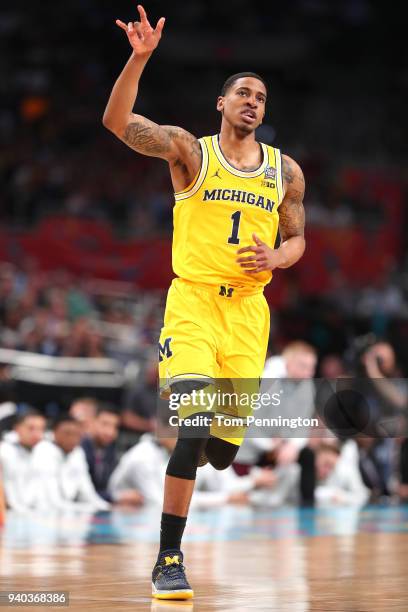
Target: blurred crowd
pixel 58 314
pixel 98 455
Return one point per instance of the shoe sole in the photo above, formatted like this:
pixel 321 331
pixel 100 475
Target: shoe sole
pixel 180 594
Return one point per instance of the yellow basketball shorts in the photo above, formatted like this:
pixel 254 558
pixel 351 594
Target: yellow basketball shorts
pixel 215 334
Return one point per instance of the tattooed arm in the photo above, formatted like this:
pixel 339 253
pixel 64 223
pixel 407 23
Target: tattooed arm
pixel 292 214
pixel 180 148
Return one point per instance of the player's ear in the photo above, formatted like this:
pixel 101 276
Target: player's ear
pixel 220 103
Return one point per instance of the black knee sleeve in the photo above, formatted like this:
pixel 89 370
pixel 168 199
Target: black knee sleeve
pixel 186 454
pixel 220 453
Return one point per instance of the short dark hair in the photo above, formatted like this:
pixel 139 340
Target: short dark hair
pixel 64 418
pixel 240 75
pixel 26 414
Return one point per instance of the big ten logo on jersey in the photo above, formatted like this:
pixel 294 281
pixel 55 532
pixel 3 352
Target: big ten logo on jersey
pixel 165 349
pixel 269 184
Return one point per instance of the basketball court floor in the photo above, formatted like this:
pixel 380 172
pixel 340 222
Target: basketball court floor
pixel 237 558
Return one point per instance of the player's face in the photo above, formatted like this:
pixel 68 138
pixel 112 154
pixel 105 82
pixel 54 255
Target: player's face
pixel 243 106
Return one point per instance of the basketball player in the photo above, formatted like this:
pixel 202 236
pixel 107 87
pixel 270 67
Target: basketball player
pixel 232 194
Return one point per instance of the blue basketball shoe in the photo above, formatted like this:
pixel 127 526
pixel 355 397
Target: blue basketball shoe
pixel 168 577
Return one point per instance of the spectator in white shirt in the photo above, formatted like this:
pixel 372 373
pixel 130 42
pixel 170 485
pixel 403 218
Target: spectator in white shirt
pixel 64 482
pixel 297 365
pixel 16 460
pixel 143 467
pixel 338 479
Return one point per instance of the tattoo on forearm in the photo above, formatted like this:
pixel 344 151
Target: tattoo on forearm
pixel 291 217
pixel 147 137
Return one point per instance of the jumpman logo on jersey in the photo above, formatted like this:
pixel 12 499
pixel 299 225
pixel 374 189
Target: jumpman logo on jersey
pixel 217 174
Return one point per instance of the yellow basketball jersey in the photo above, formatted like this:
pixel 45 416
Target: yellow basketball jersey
pixel 220 210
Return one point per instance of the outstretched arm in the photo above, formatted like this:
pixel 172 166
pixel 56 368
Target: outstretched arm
pixel 291 227
pixel 180 148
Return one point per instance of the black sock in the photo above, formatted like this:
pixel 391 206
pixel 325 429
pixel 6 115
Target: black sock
pixel 171 531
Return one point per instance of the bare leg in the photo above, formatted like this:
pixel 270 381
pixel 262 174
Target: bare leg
pixel 177 495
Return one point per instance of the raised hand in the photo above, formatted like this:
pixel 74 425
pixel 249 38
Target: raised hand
pixel 142 37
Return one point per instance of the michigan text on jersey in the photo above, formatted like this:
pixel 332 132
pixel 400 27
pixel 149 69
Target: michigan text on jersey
pixel 236 195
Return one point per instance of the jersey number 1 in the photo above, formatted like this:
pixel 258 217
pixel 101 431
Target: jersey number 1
pixel 236 218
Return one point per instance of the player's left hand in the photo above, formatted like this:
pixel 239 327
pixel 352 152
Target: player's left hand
pixel 262 258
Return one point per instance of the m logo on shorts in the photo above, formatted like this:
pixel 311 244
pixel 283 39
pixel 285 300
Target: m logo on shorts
pixel 226 292
pixel 165 350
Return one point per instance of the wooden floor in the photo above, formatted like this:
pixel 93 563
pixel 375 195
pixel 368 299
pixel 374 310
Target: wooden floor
pixel 355 572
